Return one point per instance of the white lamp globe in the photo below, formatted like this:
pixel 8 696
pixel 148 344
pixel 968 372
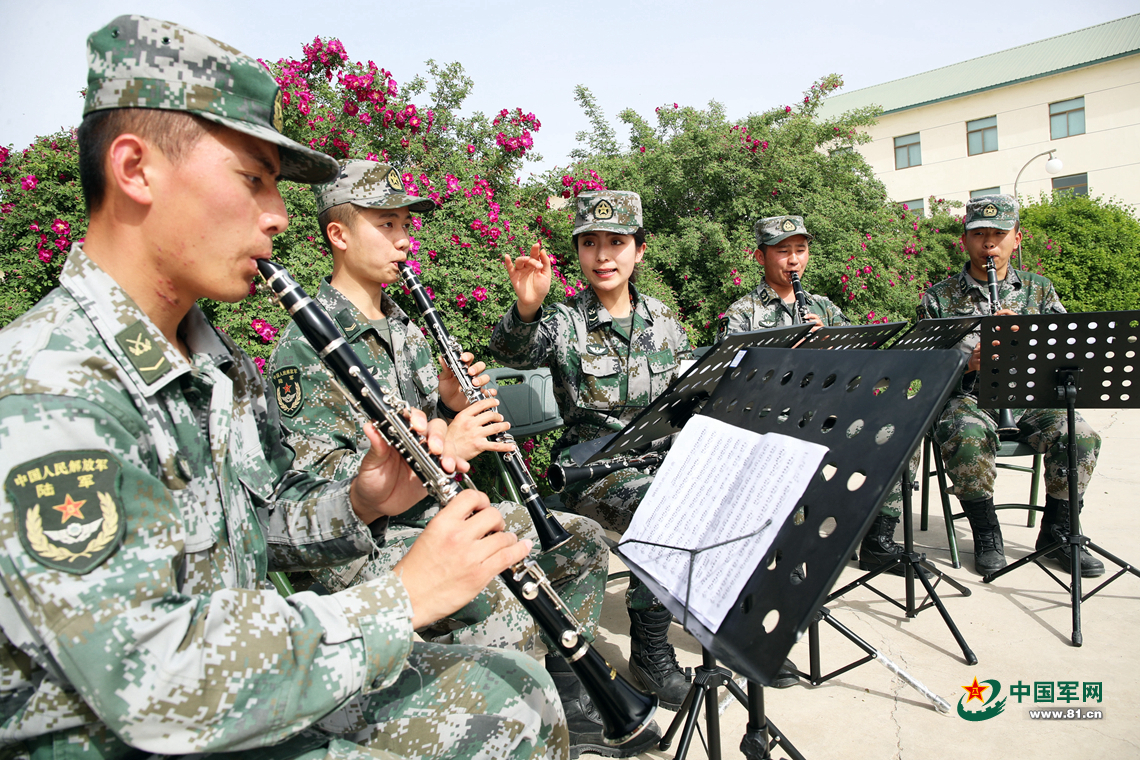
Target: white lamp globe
pixel 1054 165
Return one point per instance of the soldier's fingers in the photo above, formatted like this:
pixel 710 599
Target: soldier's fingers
pixel 474 369
pixel 479 380
pixel 499 446
pixel 445 372
pixel 417 420
pixel 542 256
pixel 535 248
pixel 435 431
pixel 481 406
pixel 510 554
pixel 508 265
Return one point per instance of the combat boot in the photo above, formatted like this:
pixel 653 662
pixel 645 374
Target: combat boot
pixel 879 547
pixel 652 660
pixel 989 550
pixel 1055 526
pixel 584 720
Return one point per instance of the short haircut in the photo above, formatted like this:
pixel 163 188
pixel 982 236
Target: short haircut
pixel 342 213
pixel 174 133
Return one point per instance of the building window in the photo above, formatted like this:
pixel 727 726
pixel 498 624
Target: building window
pixel 1077 184
pixel 987 191
pixel 916 207
pixel 908 151
pixel 981 136
pixel 1067 118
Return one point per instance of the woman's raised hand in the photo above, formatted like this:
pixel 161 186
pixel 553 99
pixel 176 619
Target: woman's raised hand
pixel 530 277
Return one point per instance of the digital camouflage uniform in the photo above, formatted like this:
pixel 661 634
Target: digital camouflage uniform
pixel 328 436
pixel 966 434
pixel 145 497
pixel 602 380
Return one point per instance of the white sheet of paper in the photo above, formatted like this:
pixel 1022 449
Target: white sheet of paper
pixel 719 483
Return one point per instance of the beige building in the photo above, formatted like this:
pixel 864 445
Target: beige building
pixel 970 128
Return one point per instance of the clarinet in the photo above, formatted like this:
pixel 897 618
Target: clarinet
pixel 1006 425
pixel 625 711
pixel 560 476
pixel 551 534
pixel 801 296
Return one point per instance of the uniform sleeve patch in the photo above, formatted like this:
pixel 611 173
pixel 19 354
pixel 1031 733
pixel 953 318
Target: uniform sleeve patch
pixel 288 391
pixel 68 508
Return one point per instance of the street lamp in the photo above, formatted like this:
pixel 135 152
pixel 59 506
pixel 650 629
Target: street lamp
pixel 1052 166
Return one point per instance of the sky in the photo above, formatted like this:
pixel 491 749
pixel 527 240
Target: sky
pixel 749 56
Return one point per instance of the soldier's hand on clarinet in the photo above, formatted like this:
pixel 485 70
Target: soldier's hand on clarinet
pixel 450 392
pixel 975 362
pixel 815 320
pixel 530 277
pixel 385 485
pixel 460 550
pixel 468 435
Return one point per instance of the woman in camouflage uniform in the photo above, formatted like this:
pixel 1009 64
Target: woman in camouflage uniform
pixel 611 350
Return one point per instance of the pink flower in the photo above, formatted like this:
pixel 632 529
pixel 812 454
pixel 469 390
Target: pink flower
pixel 480 293
pixel 265 331
pixel 34 227
pixel 260 363
pixel 430 292
pixel 867 269
pixel 570 291
pixel 461 300
pixel 253 288
pixel 642 148
pixel 787 109
pixel 417 224
pixel 432 255
pixel 528 445
pixel 45 254
pixel 414 266
pixel 843 278
pixel 470 149
pixel 871 315
pixel 29 182
pixel 60 227
pixel 61 243
pixel 735 280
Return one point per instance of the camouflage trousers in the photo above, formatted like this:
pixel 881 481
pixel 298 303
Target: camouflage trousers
pixel 448 702
pixel 611 501
pixel 893 504
pixel 494 618
pixel 967 437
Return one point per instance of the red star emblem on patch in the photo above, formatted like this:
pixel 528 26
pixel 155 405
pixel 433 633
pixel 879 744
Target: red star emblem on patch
pixel 975 691
pixel 70 508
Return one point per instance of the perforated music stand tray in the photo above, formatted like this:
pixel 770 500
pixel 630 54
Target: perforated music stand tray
pixel 936 334
pixel 1062 361
pixel 869 408
pixel 672 409
pixel 852 336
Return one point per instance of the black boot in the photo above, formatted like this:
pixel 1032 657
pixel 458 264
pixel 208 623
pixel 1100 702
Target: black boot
pixel 879 547
pixel 652 661
pixel 989 550
pixel 1055 526
pixel 586 723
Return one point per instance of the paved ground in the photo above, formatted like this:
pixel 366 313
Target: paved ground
pixel 1019 628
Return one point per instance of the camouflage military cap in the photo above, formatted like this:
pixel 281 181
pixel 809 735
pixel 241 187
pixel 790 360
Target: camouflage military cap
pixel 998 211
pixel 772 229
pixel 368 184
pixel 609 211
pixel 140 62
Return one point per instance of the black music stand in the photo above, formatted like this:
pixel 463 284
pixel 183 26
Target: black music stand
pixel 852 336
pixel 867 409
pixel 684 397
pixel 1057 361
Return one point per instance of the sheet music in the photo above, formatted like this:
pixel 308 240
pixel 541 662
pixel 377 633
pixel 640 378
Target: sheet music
pixel 718 483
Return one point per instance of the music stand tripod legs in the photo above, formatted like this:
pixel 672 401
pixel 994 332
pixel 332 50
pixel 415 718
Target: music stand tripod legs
pixel 1067 389
pixel 911 561
pixel 761 735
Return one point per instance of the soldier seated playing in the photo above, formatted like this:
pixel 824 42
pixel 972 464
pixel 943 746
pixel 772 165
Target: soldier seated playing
pixel 364 217
pixel 967 435
pixel 147 488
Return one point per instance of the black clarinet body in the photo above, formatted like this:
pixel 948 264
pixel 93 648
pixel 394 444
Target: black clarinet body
pixel 550 532
pixel 1006 425
pixel 560 476
pixel 625 710
pixel 801 296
